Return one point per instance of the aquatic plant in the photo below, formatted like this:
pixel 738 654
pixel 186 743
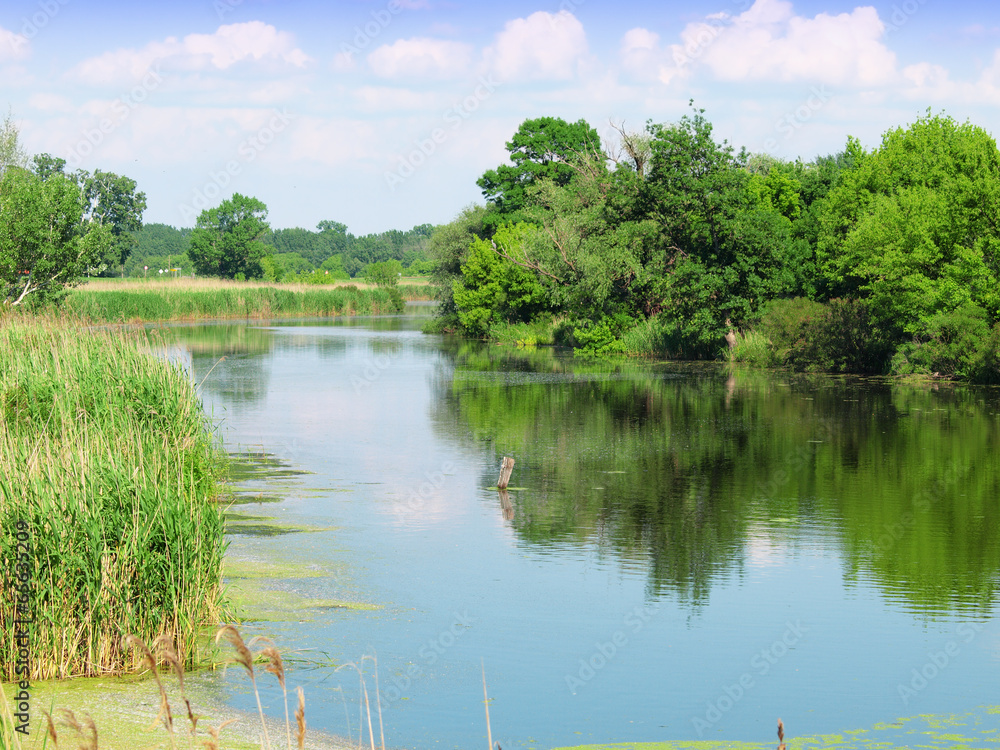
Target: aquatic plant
pixel 109 468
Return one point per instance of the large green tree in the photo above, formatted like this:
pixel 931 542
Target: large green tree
pixel 542 148
pixel 45 241
pixel 227 241
pixel 113 201
pixel 914 228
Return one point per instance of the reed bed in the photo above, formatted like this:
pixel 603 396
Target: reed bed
pixel 188 299
pixel 107 457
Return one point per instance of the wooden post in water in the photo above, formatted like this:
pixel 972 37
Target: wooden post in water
pixel 506 467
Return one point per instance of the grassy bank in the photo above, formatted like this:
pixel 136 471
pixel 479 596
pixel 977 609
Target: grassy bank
pixel 195 299
pixel 108 469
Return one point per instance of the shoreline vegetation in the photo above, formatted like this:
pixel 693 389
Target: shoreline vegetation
pixel 668 243
pixel 109 464
pixel 159 300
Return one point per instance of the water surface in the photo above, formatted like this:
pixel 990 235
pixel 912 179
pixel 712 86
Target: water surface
pixel 687 552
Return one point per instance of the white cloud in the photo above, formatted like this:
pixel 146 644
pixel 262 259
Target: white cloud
pixel 768 42
pixel 13 46
pixel 421 57
pixel 52 103
pixel 640 53
pixel 541 46
pixel 236 43
pixel 929 82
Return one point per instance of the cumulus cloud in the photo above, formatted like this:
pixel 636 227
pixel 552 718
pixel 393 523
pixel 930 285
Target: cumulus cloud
pixel 541 46
pixel 254 42
pixel 928 82
pixel 13 46
pixel 420 57
pixel 768 42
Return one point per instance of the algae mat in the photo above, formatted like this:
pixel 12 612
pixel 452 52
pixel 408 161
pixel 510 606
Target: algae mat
pixel 975 729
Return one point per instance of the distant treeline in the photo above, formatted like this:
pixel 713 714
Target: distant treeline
pixel 296 253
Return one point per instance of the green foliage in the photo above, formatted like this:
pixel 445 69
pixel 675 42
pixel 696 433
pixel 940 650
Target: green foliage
pixel 44 244
pixel 333 267
pixel 384 274
pixel 448 247
pixel 523 335
pixel 542 148
pixel 112 201
pixel 227 241
pixel 237 302
pixel 493 289
pixel 958 343
pixel 12 153
pixel 753 348
pixel 160 246
pixel 914 227
pixel 107 458
pixel 839 336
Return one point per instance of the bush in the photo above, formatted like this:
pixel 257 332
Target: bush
pixel 840 336
pixel 537 332
pixel 956 344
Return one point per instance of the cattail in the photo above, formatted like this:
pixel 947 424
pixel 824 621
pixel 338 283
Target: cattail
pixel 276 667
pixel 300 718
pixel 245 659
pixel 52 733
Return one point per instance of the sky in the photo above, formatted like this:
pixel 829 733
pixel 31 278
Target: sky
pixel 382 114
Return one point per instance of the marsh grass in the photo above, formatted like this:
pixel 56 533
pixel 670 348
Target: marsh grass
pixel 106 455
pixel 197 299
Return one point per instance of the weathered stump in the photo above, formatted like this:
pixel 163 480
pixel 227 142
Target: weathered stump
pixel 506 467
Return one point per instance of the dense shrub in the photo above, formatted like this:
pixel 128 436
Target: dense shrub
pixel 957 344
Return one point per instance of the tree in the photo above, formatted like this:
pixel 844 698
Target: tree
pixel 110 200
pixel 11 152
pixel 494 289
pixel 47 165
pixel 45 242
pixel 227 241
pixel 913 229
pixel 384 273
pixel 541 148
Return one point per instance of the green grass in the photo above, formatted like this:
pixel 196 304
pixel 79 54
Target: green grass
pixel 106 456
pixel 188 302
pixel 753 348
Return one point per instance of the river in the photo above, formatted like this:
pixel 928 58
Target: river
pixel 687 552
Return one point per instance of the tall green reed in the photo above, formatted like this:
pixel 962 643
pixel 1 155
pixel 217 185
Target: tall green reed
pixel 168 303
pixel 106 454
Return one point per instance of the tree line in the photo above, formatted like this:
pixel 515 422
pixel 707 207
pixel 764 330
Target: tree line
pixel 57 227
pixel 667 242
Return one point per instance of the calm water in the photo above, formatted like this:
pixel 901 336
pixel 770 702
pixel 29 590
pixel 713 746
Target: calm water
pixel 687 553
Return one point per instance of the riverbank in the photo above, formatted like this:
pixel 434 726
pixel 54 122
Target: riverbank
pixel 202 299
pixel 109 481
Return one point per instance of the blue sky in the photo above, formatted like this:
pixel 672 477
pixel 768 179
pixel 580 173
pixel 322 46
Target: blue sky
pixel 383 113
